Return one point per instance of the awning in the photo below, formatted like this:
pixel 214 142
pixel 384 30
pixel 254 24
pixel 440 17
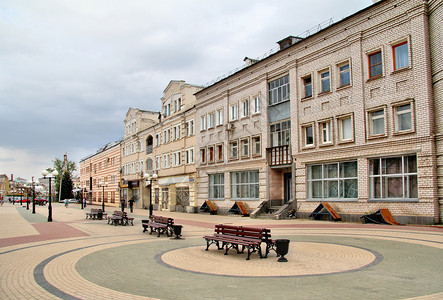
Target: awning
pixel 173 180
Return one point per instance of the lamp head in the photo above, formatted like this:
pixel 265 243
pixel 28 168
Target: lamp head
pixel 55 173
pixel 154 176
pixel 44 173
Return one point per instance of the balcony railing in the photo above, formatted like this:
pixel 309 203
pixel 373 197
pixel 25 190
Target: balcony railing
pixel 149 149
pixel 278 156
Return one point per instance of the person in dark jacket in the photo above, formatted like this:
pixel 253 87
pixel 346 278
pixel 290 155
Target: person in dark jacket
pixel 131 204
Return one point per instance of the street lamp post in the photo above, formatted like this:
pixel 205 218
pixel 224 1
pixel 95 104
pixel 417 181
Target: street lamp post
pixel 103 184
pixel 32 183
pixel 150 179
pixel 27 198
pixel 50 175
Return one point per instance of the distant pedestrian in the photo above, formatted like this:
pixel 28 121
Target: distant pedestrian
pixel 123 203
pixel 84 203
pixel 66 203
pixel 1 201
pixel 131 204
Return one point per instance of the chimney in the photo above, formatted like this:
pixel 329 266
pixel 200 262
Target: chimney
pixel 249 61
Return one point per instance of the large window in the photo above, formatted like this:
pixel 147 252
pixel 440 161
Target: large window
pixel 217 186
pixel 401 55
pixel 280 133
pixel 346 128
pixel 245 185
pixel 336 181
pixel 308 135
pixel 375 65
pixel 279 90
pixel 393 178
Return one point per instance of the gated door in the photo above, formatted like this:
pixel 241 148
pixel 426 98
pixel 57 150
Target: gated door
pixel 182 196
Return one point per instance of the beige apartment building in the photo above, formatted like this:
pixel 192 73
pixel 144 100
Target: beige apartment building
pixel 134 148
pixel 100 175
pixel 349 115
pixel 174 143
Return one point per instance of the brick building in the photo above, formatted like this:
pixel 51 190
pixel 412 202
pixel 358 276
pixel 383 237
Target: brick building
pixel 347 115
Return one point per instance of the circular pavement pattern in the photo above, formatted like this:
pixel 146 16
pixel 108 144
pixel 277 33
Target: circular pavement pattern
pixel 304 259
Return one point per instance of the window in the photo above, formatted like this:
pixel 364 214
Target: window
pixel 279 90
pixel 177 158
pixel 307 84
pixel 189 127
pixel 256 146
pixel 393 178
pixel 325 81
pixel 325 132
pixel 211 154
pixel 245 147
pixel 375 65
pixel 149 164
pixel 280 133
pixel 220 152
pixel 401 55
pixel 177 132
pixel 256 104
pixel 189 156
pixel 377 122
pixel 211 120
pixel 308 135
pixel 245 185
pixel 403 117
pixel 203 155
pixel 344 74
pixel 177 104
pixel 203 123
pixel 166 160
pixel 336 181
pixel 245 108
pixel 157 139
pixel 219 117
pixel 234 112
pixel 345 127
pixel 234 149
pixel 157 162
pixel 217 186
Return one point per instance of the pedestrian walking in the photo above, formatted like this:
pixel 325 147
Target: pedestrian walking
pixel 131 204
pixel 123 203
pixel 84 203
pixel 66 203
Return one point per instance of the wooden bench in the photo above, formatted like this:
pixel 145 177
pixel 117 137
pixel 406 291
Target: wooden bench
pixel 120 218
pixel 324 209
pixel 208 206
pixel 159 224
pixel 228 236
pixel 96 214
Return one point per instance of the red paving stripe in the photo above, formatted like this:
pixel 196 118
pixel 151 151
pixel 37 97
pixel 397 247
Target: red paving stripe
pixel 47 231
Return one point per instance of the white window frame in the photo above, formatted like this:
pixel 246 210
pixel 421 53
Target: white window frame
pixel 257 104
pixel 176 158
pixel 219 117
pixel 397 113
pixel 216 184
pixel 256 140
pixel 245 108
pixel 325 132
pixel 233 146
pixel 340 72
pixel 323 79
pixel 305 135
pixel 374 118
pixel 190 127
pixel 279 90
pixel 341 129
pixel 304 86
pixel 233 112
pixel 244 147
pixel 203 123
pixel 242 190
pixel 211 120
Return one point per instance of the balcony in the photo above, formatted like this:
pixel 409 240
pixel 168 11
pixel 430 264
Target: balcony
pixel 149 149
pixel 278 156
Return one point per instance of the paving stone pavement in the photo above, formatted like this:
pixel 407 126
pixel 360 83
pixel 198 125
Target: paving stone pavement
pixel 76 258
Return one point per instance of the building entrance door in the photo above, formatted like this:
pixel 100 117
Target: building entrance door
pixel 287 178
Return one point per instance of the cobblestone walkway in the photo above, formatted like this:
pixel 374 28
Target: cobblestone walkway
pixel 75 258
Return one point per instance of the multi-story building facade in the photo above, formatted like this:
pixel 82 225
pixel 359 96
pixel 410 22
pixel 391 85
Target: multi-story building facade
pixel 134 148
pixel 4 186
pixel 100 175
pixel 174 150
pixel 346 115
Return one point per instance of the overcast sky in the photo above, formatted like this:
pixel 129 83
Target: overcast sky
pixel 71 69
